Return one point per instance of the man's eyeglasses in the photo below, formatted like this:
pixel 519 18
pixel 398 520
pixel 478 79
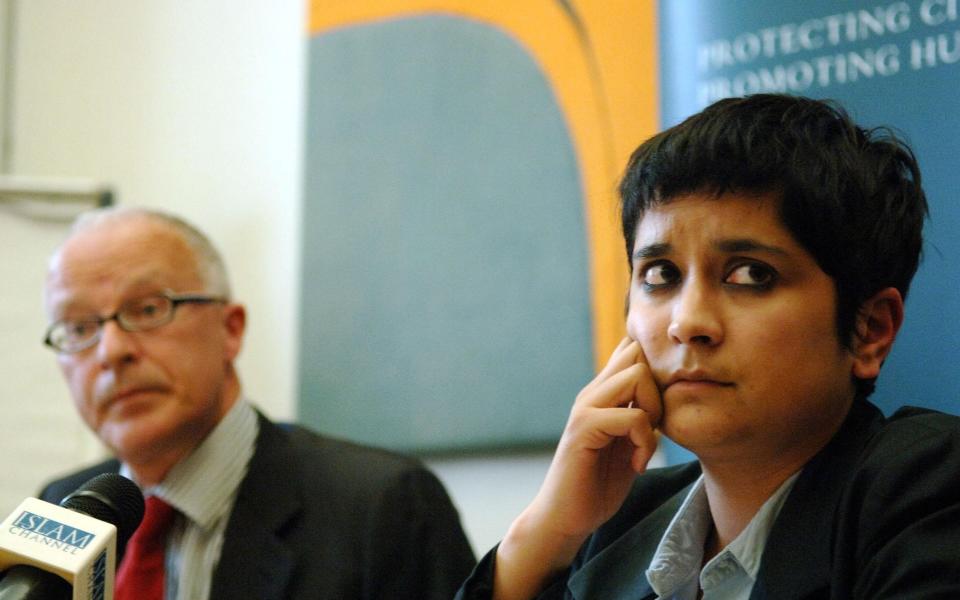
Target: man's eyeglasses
pixel 139 314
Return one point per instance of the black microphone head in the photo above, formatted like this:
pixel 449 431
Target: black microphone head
pixel 111 498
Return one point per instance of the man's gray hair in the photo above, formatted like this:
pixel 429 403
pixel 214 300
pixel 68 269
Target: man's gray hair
pixel 210 265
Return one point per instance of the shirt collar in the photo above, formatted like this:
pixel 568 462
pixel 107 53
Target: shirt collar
pixel 680 552
pixel 748 547
pixel 202 486
pixel 678 558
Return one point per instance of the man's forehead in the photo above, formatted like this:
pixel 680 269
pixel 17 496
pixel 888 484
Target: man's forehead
pixel 122 257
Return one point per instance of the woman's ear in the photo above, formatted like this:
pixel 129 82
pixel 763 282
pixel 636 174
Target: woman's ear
pixel 878 322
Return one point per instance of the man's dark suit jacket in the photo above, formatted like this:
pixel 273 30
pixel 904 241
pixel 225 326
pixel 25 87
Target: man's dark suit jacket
pixel 876 514
pixel 317 518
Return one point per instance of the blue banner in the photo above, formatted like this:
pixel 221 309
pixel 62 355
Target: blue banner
pixel 888 63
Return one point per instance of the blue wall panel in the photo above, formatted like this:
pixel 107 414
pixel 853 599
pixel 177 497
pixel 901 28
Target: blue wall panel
pixel 445 298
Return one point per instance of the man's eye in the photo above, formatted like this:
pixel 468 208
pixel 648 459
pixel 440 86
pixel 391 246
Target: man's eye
pixel 753 275
pixel 146 309
pixel 660 274
pixel 80 329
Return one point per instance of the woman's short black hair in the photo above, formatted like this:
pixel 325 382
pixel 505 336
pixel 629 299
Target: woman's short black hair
pixel 852 197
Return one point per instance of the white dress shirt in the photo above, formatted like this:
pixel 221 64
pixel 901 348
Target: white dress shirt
pixel 203 488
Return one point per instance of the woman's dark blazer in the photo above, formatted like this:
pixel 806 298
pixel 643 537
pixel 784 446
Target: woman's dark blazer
pixel 876 514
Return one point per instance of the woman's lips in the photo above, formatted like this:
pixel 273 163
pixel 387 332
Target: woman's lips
pixel 695 380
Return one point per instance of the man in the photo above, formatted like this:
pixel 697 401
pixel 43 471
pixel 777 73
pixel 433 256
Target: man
pixel 771 243
pixel 146 335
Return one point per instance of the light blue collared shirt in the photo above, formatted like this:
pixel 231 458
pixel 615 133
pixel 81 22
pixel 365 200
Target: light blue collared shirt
pixel 675 572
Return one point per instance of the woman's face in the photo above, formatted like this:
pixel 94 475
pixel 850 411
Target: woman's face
pixel 737 322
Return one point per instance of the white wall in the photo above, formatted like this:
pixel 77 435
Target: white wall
pixel 195 107
pixel 490 491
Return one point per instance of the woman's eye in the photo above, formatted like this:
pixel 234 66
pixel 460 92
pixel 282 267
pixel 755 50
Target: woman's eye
pixel 753 275
pixel 660 274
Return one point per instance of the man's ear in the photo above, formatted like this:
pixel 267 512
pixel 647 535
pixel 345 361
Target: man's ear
pixel 235 323
pixel 878 322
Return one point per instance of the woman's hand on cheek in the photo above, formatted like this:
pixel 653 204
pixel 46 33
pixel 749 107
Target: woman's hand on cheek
pixel 608 439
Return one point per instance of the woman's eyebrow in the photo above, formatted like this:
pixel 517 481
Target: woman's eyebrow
pixel 748 245
pixel 652 251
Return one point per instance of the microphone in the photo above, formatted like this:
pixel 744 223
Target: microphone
pixel 69 552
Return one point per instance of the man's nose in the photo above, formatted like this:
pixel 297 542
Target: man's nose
pixel 116 345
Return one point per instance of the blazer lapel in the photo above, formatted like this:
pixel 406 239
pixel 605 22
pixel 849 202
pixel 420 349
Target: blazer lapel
pixel 619 571
pixel 255 562
pixel 798 555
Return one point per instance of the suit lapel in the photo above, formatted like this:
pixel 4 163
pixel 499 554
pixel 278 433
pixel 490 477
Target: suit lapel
pixel 255 562
pixel 798 555
pixel 619 571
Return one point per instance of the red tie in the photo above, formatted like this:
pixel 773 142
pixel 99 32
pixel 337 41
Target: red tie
pixel 140 576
